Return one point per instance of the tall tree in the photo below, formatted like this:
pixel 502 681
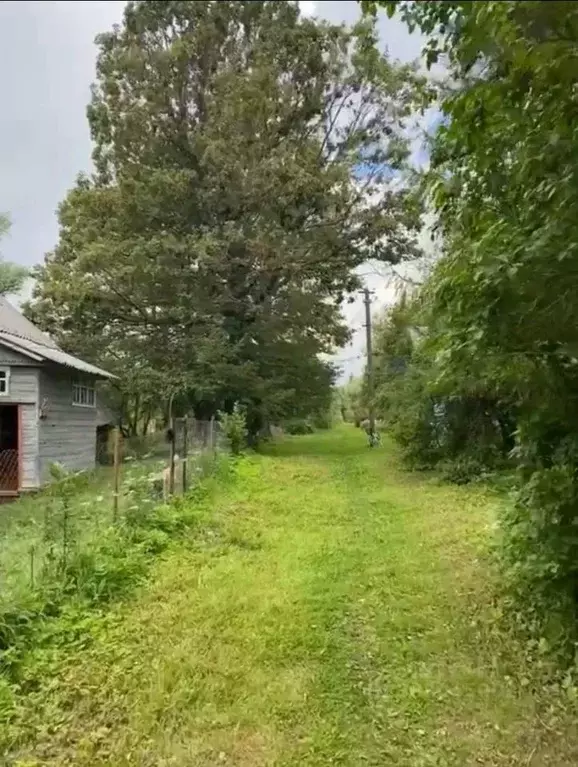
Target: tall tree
pixel 242 165
pixel 12 276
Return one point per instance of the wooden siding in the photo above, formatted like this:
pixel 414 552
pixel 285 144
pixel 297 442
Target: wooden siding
pixel 9 357
pixel 23 387
pixel 68 433
pixel 30 476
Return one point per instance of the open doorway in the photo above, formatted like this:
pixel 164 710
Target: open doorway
pixel 9 446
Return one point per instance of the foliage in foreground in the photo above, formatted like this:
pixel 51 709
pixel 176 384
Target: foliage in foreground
pixel 500 308
pixel 77 582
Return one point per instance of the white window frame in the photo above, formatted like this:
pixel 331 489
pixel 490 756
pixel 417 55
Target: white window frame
pixel 6 371
pixel 77 396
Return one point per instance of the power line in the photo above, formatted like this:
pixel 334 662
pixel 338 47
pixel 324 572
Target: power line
pixel 349 359
pixel 369 365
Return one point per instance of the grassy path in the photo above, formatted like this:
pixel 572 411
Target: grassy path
pixel 335 613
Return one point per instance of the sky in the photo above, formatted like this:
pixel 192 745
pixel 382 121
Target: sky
pixel 47 61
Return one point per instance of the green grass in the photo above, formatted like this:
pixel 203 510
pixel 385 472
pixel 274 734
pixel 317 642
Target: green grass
pixel 33 526
pixel 334 610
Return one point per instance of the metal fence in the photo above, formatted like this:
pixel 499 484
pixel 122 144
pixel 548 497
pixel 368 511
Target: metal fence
pixel 165 462
pixel 132 476
pixel 9 471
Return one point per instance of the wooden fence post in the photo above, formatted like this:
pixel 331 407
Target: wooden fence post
pixel 32 552
pixel 172 458
pixel 116 474
pixel 212 440
pixel 185 451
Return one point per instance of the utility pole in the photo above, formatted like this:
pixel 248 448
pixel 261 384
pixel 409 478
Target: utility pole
pixel 369 351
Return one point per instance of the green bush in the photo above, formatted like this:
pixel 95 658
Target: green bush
pixel 540 555
pixel 463 435
pixel 107 571
pixel 152 541
pixel 468 436
pixel 299 426
pixel 7 702
pixel 321 420
pixel 235 429
pixel 16 621
pixel 408 411
pixel 463 470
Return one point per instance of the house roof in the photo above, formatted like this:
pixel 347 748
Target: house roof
pixel 11 321
pixel 20 335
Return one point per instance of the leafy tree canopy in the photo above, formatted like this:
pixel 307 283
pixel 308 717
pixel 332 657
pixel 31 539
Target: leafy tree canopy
pixel 242 165
pixel 12 276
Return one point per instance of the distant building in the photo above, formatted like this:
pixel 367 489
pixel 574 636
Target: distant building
pixel 48 406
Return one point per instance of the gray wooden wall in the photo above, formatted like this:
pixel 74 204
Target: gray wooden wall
pixel 68 433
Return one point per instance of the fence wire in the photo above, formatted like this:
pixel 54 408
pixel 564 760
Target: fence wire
pixel 9 470
pixel 131 476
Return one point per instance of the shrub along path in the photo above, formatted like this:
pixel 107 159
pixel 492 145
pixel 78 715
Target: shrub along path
pixel 335 611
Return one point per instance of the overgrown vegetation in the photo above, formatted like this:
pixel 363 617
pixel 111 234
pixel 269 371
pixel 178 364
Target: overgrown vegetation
pixel 493 378
pixel 234 427
pixel 350 403
pixel 65 555
pixel 329 606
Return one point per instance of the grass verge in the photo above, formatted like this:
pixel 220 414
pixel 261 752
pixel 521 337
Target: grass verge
pixel 330 609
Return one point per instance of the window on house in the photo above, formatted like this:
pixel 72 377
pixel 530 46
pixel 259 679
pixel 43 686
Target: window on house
pixel 83 395
pixel 4 381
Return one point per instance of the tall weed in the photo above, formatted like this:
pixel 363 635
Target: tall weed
pixel 89 577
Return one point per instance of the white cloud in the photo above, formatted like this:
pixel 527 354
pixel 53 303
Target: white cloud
pixel 308 7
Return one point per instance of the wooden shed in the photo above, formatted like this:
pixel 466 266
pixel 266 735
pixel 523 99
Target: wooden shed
pixel 48 406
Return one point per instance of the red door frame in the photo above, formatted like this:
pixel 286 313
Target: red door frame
pixel 14 490
pixel 20 451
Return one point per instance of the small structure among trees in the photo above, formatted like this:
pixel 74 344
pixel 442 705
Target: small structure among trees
pixel 48 405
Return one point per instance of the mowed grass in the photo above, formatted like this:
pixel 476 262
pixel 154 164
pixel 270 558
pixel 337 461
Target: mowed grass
pixel 335 610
